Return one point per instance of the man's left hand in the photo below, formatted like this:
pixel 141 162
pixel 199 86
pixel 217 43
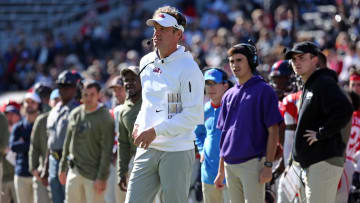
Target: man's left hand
pixel 36 173
pixel 62 177
pixel 100 186
pixel 145 138
pixel 123 183
pixel 311 136
pixel 265 175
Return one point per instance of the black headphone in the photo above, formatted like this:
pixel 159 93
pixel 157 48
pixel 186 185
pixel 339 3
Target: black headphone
pixel 250 46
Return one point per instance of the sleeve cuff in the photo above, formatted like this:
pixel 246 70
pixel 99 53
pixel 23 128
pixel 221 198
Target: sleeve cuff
pixel 63 167
pixel 159 130
pixel 123 172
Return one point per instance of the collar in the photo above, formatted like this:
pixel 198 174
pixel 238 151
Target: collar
pixel 179 52
pixel 129 103
pixel 253 80
pixel 321 72
pixel 214 105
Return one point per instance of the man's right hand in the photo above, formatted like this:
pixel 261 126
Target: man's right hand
pixel 45 181
pixel 62 177
pixel 202 158
pixel 123 183
pixel 219 181
pixel 44 175
pixel 265 175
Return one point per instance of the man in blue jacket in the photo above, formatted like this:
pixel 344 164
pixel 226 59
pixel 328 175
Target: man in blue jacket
pixel 208 136
pixel 20 144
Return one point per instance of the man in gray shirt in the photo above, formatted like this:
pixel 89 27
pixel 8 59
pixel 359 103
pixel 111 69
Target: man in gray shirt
pixel 67 83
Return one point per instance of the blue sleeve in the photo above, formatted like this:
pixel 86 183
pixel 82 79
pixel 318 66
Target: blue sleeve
pixel 221 121
pixel 222 114
pixel 17 145
pixel 270 108
pixel 200 132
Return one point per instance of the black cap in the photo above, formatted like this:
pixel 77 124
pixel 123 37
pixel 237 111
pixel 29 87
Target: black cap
pixel 68 78
pixel 42 89
pixel 303 48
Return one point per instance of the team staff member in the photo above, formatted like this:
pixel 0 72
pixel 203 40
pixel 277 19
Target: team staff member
pixel 12 113
pixel 57 122
pixel 20 144
pixel 37 152
pixel 172 85
pixel 86 159
pixel 113 193
pixel 249 120
pixel 208 136
pixel 4 140
pixel 127 117
pixel 318 149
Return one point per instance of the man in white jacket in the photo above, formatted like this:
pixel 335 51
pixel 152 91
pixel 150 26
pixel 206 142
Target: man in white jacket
pixel 172 92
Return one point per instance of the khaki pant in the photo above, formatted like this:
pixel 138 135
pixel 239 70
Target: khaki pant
pixel 321 182
pixel 113 192
pixel 1 176
pixel 342 194
pixel 154 169
pixel 242 181
pixel 213 195
pixel 24 189
pixel 41 193
pixel 8 192
pixel 81 190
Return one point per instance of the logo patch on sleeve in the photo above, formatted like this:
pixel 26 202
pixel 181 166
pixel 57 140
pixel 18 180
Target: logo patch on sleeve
pixel 309 95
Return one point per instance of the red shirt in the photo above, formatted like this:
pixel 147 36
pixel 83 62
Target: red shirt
pixel 353 145
pixel 290 105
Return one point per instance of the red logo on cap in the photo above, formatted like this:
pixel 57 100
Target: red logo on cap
pixel 161 15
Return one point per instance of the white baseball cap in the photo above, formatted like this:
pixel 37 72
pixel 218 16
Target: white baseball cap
pixel 165 20
pixel 134 69
pixel 33 96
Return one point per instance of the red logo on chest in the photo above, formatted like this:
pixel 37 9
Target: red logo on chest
pixel 157 70
pixel 161 15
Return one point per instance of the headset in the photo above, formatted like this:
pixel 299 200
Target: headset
pixel 250 46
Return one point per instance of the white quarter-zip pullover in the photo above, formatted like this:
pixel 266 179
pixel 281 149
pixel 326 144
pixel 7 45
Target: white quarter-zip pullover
pixel 172 93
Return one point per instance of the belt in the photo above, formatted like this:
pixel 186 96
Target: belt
pixel 56 154
pixel 291 127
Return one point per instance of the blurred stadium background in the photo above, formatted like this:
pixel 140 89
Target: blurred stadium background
pixel 40 38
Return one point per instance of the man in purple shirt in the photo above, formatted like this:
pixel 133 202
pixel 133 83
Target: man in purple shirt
pixel 248 119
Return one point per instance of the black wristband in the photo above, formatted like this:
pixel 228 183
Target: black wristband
pixel 268 164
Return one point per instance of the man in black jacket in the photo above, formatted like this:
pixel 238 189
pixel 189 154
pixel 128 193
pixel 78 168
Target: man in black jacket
pixel 324 110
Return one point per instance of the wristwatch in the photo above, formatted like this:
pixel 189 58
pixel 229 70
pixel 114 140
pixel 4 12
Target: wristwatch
pixel 268 164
